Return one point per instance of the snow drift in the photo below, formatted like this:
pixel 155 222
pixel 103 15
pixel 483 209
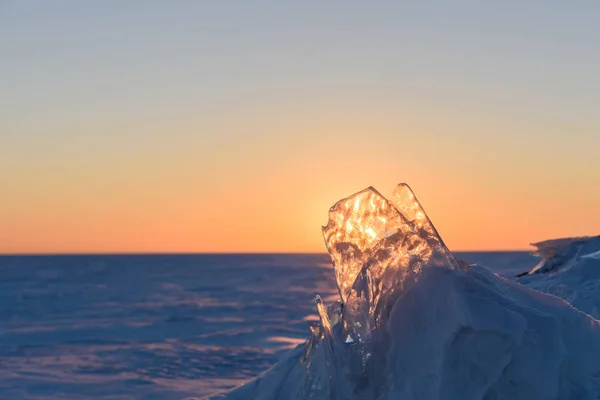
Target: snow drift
pixel 570 269
pixel 414 323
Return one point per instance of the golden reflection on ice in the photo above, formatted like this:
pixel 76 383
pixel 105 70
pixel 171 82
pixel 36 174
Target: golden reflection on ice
pixel 355 225
pixel 377 246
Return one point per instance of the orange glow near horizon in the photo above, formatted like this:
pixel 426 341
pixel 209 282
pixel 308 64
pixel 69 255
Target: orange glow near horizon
pixel 280 209
pixel 208 127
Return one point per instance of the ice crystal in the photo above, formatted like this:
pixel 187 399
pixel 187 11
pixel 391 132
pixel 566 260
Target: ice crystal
pixel 377 247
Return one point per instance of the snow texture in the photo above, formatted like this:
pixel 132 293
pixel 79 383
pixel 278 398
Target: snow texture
pixel 569 269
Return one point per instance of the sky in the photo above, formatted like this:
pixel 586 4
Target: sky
pixel 233 126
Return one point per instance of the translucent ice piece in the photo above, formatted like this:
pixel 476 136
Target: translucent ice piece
pixel 334 312
pixel 356 224
pixel 376 250
pixel 325 324
pixel 404 199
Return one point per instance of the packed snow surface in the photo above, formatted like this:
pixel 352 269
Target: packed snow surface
pixel 414 323
pixel 160 327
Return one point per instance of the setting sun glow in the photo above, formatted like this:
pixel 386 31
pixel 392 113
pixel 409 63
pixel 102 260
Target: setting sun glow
pixel 208 136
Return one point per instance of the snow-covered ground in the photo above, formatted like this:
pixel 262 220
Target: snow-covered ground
pixel 159 327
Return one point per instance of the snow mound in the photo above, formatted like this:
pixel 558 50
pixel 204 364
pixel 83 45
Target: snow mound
pixel 569 269
pixel 452 335
pixel 413 323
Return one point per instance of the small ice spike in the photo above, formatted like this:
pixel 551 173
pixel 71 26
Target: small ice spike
pixel 326 325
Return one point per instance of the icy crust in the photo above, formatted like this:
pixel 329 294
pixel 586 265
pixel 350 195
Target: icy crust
pixel 569 269
pixel 452 335
pixel 560 253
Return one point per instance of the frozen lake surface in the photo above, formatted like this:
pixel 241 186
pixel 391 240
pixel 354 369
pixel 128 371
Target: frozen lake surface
pixel 161 326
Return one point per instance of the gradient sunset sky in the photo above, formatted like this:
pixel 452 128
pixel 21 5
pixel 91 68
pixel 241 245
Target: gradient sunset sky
pixel 224 126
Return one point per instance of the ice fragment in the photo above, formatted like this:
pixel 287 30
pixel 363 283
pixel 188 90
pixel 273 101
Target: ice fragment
pixel 377 247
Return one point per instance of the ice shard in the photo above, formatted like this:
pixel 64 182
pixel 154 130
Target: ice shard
pixel 325 324
pixel 377 246
pixel 407 203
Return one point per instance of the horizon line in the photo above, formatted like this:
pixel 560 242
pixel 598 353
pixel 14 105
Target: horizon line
pixel 184 253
